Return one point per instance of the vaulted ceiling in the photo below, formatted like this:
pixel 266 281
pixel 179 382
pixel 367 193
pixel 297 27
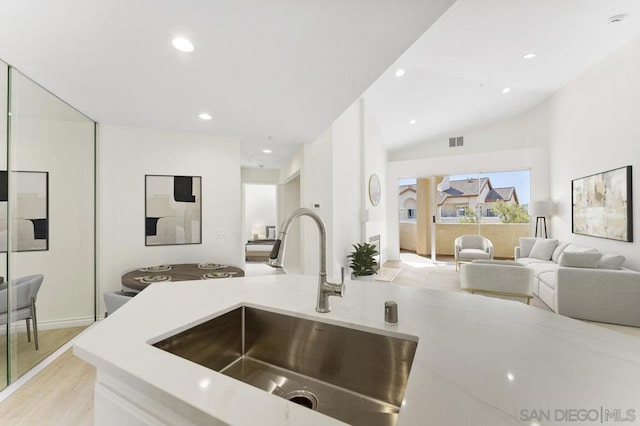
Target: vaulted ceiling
pixel 455 74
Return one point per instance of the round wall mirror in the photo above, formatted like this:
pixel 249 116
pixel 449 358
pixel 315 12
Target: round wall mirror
pixel 374 189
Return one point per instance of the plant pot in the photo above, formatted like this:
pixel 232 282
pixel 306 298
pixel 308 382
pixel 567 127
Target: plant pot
pixel 362 277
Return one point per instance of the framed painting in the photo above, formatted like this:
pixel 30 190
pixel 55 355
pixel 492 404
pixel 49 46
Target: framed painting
pixel 602 205
pixel 29 211
pixel 173 210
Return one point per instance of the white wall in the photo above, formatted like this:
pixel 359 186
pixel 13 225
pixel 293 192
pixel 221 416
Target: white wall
pixel 293 166
pixel 316 188
pixel 260 175
pixel 346 186
pixel 374 162
pixel 528 130
pixel 259 209
pixel 289 199
pixel 65 149
pixel 334 174
pixel 595 126
pixel 125 156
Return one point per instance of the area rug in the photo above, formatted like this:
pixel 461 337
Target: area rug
pixel 386 274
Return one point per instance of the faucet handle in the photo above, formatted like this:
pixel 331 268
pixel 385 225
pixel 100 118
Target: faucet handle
pixel 341 285
pixel 338 288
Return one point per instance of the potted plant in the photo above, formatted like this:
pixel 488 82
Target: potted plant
pixel 363 263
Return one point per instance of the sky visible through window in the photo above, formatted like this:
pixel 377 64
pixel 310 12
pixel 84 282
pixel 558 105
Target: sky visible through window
pixel 520 179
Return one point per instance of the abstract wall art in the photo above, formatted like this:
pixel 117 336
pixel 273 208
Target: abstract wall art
pixel 602 205
pixel 173 210
pixel 29 211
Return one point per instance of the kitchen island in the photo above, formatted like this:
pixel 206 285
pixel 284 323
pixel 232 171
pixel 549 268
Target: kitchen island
pixel 478 360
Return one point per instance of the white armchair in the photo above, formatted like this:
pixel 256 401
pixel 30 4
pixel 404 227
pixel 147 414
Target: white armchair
pixel 468 248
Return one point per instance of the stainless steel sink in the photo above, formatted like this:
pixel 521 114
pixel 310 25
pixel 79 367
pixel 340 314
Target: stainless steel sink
pixel 354 376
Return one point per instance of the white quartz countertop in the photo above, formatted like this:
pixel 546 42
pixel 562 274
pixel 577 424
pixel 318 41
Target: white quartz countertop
pixel 478 361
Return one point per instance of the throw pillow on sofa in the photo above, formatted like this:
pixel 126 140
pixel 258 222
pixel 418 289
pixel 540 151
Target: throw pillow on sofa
pixel 610 261
pixel 543 249
pixel 555 257
pixel 580 259
pixel 526 244
pixel 572 248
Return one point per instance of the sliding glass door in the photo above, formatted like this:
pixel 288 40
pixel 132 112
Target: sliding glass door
pixel 457 211
pixel 493 205
pixel 435 210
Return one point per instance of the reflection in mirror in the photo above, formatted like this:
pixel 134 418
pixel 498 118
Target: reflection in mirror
pixel 50 219
pixel 4 75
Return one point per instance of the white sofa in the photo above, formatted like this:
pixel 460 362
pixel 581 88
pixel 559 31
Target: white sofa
pixel 498 278
pixel 581 282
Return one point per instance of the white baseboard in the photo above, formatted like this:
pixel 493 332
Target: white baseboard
pixel 65 323
pixel 21 326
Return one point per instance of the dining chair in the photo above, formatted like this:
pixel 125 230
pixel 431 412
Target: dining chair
pixel 113 300
pixel 24 292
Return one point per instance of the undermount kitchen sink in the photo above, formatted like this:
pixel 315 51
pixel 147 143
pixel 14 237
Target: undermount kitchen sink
pixel 351 375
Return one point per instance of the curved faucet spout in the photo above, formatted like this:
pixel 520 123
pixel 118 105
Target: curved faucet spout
pixel 276 258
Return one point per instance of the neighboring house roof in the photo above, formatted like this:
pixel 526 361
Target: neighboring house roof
pixel 505 194
pixel 464 188
pixel 405 188
pixel 470 187
pixel 473 188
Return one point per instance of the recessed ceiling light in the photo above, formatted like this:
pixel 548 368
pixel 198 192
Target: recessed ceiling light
pixel 529 55
pixel 617 18
pixel 182 44
pixel 506 90
pixel 267 151
pixel 412 121
pixel 204 116
pixel 400 72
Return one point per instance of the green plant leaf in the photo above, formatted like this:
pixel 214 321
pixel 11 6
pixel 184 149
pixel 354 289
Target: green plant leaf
pixel 363 260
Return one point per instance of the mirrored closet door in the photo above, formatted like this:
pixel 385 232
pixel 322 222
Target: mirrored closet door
pixel 49 222
pixel 4 292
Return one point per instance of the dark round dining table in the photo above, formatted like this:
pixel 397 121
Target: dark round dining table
pixel 139 279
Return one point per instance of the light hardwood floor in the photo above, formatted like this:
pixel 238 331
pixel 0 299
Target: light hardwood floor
pixel 62 393
pixel 27 356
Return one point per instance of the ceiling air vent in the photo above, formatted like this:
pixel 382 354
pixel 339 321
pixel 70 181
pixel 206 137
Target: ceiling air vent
pixel 458 141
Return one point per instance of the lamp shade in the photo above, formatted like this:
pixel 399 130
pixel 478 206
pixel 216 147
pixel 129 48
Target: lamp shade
pixel 541 208
pixel 255 231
